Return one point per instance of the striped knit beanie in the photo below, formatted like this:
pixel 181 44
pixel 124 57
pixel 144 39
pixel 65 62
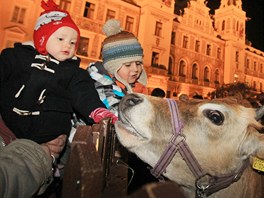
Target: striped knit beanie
pixel 121 47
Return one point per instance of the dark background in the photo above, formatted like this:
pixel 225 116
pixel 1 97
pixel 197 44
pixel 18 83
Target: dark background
pixel 254 11
pixel 255 26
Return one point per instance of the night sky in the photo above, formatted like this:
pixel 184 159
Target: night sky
pixel 254 27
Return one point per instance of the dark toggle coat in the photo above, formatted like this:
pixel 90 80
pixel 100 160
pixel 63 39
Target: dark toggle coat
pixel 38 94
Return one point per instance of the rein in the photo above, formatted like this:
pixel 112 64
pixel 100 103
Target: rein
pixel 205 183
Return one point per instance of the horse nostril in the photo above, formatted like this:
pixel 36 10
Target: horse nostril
pixel 128 102
pixel 133 100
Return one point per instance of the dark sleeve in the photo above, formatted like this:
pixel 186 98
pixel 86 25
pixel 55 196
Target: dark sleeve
pixel 84 95
pixel 110 94
pixel 7 59
pixel 25 169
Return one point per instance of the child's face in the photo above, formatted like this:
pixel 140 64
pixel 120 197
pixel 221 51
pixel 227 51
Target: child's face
pixel 62 43
pixel 130 71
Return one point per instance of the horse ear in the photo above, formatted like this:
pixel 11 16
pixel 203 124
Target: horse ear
pixel 259 113
pixel 183 97
pixel 238 98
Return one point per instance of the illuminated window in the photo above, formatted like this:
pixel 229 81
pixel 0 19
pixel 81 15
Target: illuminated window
pixel 182 69
pixel 223 25
pixel 185 42
pixel 197 46
pixel 155 59
pixel 216 75
pixel 18 15
pixel 218 53
pixel 65 4
pixel 173 36
pixel 83 47
pixel 208 50
pixel 237 56
pixel 110 14
pixel 170 66
pixel 247 63
pixel 194 71
pixel 129 24
pixel 206 74
pixel 158 28
pixel 89 10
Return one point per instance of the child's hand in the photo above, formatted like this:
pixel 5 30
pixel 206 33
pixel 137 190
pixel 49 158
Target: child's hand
pixel 98 114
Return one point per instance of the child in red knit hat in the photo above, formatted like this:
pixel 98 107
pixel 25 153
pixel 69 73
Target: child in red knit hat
pixel 42 84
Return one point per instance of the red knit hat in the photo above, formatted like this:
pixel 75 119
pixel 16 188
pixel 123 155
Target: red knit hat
pixel 49 21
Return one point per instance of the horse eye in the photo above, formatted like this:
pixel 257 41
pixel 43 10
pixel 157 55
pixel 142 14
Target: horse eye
pixel 215 116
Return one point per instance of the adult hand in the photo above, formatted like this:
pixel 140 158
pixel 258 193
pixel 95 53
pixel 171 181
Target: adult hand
pixel 56 145
pixel 46 149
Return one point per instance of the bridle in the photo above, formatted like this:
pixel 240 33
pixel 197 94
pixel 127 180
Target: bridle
pixel 205 183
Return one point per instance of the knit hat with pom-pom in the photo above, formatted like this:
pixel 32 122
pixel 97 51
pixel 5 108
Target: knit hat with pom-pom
pixel 120 47
pixel 49 21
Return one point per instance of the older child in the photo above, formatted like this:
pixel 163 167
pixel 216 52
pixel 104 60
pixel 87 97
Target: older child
pixel 121 72
pixel 42 84
pixel 122 68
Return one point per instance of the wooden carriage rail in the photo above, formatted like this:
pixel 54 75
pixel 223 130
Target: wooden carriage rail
pixel 93 170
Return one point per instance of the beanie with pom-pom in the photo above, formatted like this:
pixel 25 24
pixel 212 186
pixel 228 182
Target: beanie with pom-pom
pixel 120 47
pixel 49 21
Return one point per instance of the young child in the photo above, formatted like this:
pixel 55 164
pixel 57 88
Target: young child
pixel 122 69
pixel 42 84
pixel 122 72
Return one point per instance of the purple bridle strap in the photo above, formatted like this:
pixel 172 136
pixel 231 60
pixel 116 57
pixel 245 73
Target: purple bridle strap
pixel 176 143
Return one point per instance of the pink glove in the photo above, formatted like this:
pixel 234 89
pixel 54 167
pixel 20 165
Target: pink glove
pixel 98 114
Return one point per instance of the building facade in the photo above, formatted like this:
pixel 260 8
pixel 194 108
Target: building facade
pixel 191 53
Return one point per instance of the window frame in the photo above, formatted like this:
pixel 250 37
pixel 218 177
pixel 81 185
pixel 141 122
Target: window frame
pixel 19 14
pixel 84 44
pixel 110 14
pixel 129 24
pixel 89 11
pixel 158 29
